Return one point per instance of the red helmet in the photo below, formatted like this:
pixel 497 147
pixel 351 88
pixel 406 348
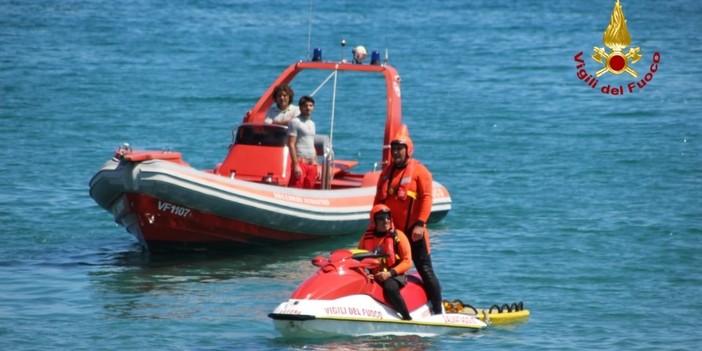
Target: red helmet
pixel 378 209
pixel 402 137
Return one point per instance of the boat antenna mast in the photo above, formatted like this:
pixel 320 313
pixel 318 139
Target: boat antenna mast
pixel 343 45
pixel 309 30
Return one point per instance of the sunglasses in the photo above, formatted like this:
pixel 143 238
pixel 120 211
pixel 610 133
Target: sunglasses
pixel 382 216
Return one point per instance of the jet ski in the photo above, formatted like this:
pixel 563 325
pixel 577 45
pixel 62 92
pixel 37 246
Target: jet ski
pixel 341 300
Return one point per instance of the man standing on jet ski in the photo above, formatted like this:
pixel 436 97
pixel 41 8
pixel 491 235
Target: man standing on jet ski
pixel 382 238
pixel 405 186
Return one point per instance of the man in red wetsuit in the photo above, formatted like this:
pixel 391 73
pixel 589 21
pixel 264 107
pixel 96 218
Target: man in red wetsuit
pixel 405 186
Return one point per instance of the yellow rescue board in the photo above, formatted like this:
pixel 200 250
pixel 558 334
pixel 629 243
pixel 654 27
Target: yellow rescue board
pixel 495 315
pixel 499 318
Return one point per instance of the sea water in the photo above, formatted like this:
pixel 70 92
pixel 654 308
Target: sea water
pixel 583 204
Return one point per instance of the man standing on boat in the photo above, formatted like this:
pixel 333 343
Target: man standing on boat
pixel 301 133
pixel 405 186
pixel 282 111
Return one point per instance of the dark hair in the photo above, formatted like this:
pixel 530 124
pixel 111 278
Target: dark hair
pixel 305 99
pixel 286 88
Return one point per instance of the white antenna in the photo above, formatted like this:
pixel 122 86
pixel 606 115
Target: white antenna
pixel 309 31
pixel 343 44
pixel 331 127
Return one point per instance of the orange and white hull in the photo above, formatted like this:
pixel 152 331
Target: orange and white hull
pixel 245 200
pixel 170 205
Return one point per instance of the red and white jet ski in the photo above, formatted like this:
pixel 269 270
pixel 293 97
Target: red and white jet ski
pixel 341 300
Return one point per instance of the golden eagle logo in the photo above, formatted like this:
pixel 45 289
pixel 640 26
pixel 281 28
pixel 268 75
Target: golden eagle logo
pixel 617 38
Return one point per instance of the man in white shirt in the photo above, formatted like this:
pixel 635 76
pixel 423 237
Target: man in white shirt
pixel 301 131
pixel 282 111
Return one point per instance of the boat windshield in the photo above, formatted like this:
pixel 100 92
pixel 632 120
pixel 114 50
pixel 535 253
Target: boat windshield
pixel 261 135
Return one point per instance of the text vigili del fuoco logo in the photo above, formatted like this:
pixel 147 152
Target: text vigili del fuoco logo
pixel 617 38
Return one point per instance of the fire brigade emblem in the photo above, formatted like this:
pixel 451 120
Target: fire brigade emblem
pixel 617 38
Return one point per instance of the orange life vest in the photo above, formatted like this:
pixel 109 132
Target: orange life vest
pixel 386 246
pixel 402 190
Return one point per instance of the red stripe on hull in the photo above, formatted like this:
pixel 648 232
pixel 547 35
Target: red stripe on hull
pixel 164 222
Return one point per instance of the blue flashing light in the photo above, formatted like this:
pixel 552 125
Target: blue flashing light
pixel 317 55
pixel 375 58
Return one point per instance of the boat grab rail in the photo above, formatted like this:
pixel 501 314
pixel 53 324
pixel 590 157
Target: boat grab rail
pixel 323 147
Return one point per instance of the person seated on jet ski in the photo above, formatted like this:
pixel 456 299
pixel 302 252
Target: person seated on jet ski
pixel 382 238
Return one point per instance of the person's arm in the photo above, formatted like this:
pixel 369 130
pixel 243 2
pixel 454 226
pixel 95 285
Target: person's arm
pixel 378 189
pixel 314 150
pixel 405 253
pixel 376 199
pixel 292 146
pixel 424 201
pixel 425 195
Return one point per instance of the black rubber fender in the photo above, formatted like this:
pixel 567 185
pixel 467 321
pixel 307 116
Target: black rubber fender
pixel 475 311
pixel 505 308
